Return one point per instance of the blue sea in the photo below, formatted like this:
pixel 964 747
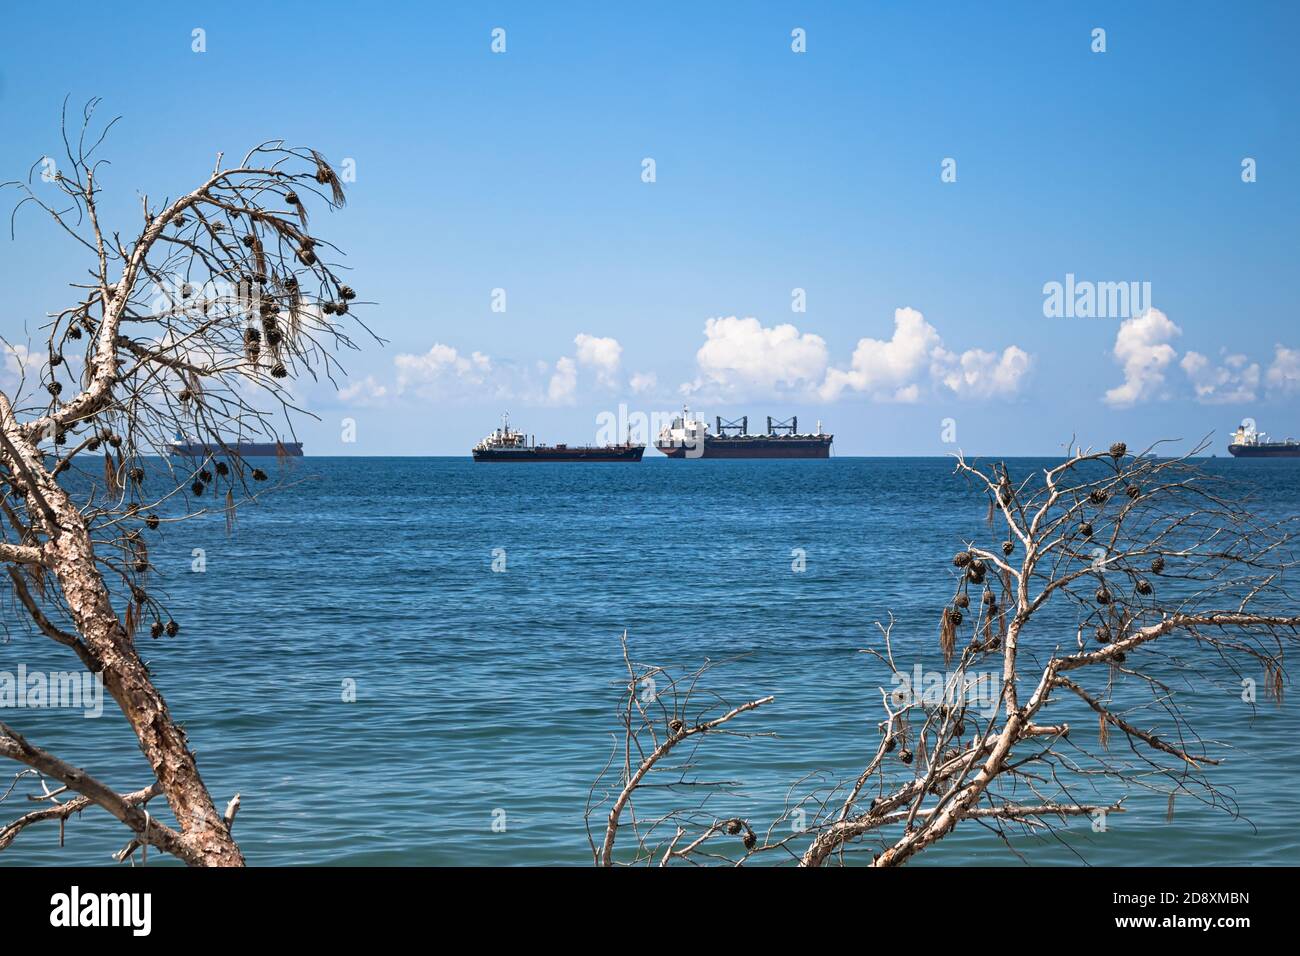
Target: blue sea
pixel 490 696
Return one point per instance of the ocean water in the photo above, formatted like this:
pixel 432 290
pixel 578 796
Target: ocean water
pixel 485 696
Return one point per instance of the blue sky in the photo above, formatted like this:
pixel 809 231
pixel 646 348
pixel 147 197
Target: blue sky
pixel 774 171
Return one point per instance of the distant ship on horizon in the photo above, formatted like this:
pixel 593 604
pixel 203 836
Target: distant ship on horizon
pixel 1246 442
pixel 506 444
pixel 238 449
pixel 687 437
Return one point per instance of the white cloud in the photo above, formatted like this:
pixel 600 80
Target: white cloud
pixel 740 356
pixel 13 359
pixel 564 383
pixel 895 369
pixel 602 354
pixel 1284 374
pixel 443 372
pixel 364 392
pixel 980 374
pixel 908 394
pixel 1142 348
pixel 1236 380
pixel 643 382
pixel 886 369
pixel 441 363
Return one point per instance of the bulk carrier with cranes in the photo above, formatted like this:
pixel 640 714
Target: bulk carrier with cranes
pixel 690 437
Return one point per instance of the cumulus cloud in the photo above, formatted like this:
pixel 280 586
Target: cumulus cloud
pixel 1236 380
pixel 1143 349
pixel 898 368
pixel 1284 374
pixel 445 372
pixel 564 382
pixel 740 356
pixel 643 382
pixel 365 391
pixel 980 374
pixel 438 364
pixel 440 369
pixel 602 354
pixel 13 360
pixel 886 369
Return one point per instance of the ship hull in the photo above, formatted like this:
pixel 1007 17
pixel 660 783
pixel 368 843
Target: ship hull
pixel 753 448
pixel 1264 451
pixel 538 453
pixel 291 449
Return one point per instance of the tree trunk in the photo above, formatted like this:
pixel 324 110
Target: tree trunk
pixel 70 555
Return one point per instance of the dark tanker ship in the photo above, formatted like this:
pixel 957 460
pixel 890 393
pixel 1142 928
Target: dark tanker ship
pixel 1248 443
pixel 690 438
pixel 506 444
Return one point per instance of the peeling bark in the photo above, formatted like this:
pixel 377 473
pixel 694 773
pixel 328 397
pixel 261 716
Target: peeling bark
pixel 149 372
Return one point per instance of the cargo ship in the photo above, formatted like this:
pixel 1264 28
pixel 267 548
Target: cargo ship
pixel 1248 443
pixel 236 449
pixel 688 437
pixel 506 444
